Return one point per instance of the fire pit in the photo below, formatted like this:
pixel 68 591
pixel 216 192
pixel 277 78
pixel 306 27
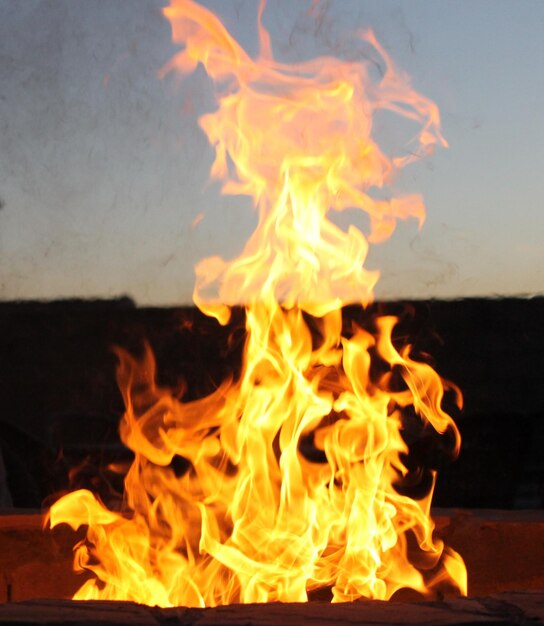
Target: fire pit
pixel 502 549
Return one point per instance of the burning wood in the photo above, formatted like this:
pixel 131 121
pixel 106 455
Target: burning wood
pixel 292 473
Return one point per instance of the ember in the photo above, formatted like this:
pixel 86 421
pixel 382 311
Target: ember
pixel 292 472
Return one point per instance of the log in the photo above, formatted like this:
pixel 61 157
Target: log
pixel 521 608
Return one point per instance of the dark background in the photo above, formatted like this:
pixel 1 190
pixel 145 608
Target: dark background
pixel 61 406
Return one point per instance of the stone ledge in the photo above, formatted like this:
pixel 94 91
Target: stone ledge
pixel 504 551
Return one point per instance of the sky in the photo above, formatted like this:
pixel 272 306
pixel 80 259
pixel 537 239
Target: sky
pixel 103 168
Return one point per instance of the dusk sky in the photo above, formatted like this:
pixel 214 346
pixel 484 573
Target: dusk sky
pixel 103 168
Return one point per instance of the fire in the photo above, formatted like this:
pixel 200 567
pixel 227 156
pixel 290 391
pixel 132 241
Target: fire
pixel 292 468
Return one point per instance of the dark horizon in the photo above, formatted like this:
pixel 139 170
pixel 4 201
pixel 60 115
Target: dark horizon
pixel 59 389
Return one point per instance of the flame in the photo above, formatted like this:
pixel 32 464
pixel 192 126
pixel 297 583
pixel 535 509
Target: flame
pixel 291 472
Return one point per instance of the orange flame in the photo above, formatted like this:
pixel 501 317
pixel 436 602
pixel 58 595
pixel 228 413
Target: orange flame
pixel 291 469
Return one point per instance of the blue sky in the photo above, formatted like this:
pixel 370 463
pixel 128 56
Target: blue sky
pixel 103 169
